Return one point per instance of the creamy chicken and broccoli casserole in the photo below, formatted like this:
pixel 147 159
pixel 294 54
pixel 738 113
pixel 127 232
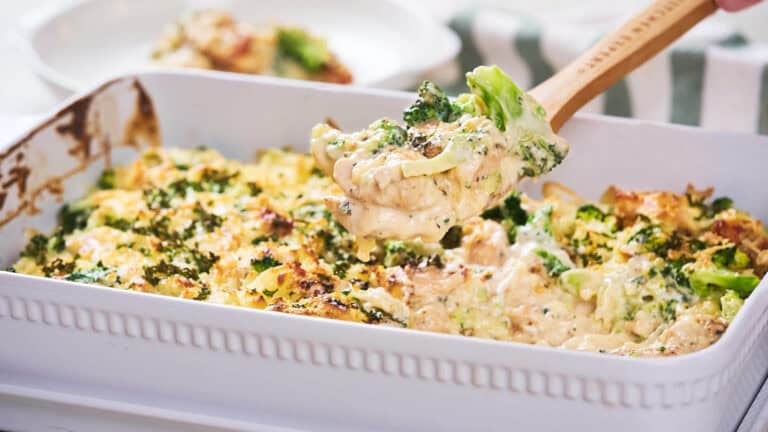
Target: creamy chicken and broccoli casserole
pixel 212 39
pixel 637 273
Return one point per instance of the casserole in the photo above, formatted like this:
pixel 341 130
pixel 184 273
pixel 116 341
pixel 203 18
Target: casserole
pixel 149 351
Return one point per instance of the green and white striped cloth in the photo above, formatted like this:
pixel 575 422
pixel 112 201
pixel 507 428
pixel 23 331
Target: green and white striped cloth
pixel 712 77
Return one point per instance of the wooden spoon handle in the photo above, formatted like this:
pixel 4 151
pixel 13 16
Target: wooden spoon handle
pixel 617 54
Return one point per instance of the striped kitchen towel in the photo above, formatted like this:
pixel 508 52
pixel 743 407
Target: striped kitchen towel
pixel 712 77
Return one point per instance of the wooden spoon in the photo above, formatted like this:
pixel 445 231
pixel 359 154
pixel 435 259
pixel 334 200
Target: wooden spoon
pixel 618 54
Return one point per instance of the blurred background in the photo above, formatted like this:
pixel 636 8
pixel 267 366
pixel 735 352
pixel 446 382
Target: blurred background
pixel 691 84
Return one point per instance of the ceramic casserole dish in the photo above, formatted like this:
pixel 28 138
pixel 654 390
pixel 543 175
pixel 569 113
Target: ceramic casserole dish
pixel 144 361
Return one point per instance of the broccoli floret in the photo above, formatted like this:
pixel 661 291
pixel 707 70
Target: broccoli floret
pixel 730 303
pixel 390 133
pixel 719 205
pixel 203 294
pixel 203 220
pixel 117 223
pixel 731 258
pixel 673 271
pixel 157 198
pixel 431 104
pixel 264 263
pixel 501 97
pixel 708 210
pixel 58 267
pixel 107 179
pixel 37 249
pixel 509 214
pixel 216 181
pixel 203 261
pixel 154 274
pixel 501 100
pixel 310 52
pixel 552 264
pixel 590 212
pixel 72 218
pixel 510 208
pixel 94 275
pixel 580 281
pixel 594 231
pixel 652 238
pixel 703 279
pixel 401 253
pixel 254 189
pixel 467 104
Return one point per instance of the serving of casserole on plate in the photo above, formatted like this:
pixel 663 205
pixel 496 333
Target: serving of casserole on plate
pixel 649 274
pixel 214 39
pixel 75 43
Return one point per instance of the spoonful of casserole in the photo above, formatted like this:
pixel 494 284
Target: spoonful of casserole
pixel 455 158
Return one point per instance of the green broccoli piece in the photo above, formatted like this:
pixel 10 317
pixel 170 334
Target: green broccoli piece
pixel 510 208
pixel 709 210
pixel 673 271
pixel 467 104
pixel 552 264
pixel 577 280
pixel 107 179
pixel 720 204
pixel 731 258
pixel 401 253
pixel 94 275
pixel 730 303
pixel 203 294
pixel 652 238
pixel 590 212
pixel 510 214
pixel 502 98
pixel 390 133
pixel 431 104
pixel 310 52
pixel 154 274
pixel 117 223
pixel 37 249
pixel 703 279
pixel 203 261
pixel 72 218
pixel 265 263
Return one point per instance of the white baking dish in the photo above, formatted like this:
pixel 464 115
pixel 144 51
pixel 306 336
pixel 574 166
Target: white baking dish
pixel 176 361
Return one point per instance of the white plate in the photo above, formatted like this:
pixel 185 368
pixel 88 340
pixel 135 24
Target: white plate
pixel 385 43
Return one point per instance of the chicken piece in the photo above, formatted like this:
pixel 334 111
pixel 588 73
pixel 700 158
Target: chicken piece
pixel 486 243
